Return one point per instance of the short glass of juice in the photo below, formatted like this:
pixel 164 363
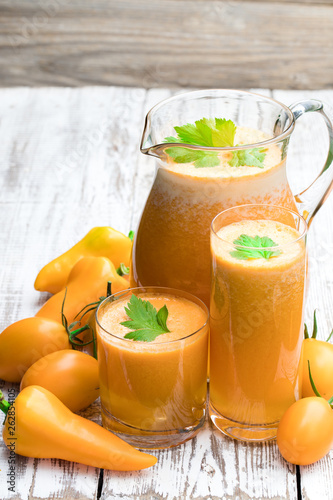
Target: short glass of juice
pixel 153 369
pixel 256 318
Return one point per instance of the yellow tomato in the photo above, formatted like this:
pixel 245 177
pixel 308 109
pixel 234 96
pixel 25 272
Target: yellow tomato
pixel 70 375
pixel 26 341
pixel 305 432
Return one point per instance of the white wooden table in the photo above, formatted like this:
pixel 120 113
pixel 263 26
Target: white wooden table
pixel 69 161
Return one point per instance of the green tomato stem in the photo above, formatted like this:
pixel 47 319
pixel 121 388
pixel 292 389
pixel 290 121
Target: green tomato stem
pixel 91 306
pixel 330 336
pixel 4 405
pixel 315 326
pixel 78 342
pixel 312 382
pixel 94 305
pixel 73 335
pixel 94 343
pixel 63 317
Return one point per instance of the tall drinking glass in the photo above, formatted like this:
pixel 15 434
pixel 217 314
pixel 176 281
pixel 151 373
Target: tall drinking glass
pixel 257 296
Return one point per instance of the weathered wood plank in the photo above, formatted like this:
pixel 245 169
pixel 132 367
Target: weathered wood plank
pixel 171 43
pixel 209 466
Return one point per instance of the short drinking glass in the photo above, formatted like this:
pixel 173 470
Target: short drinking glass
pixel 153 393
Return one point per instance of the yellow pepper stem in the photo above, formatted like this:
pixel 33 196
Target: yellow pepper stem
pixel 122 270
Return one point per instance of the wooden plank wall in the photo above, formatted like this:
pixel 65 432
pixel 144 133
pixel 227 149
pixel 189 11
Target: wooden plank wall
pixel 167 43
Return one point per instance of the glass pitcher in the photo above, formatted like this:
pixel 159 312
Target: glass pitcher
pixel 172 246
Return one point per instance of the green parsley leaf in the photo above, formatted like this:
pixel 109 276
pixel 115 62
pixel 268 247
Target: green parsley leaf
pixel 145 321
pixel 171 139
pixel 248 157
pixel 224 135
pixel 199 134
pixel 255 248
pixel 131 235
pixel 209 132
pixel 196 156
pixel 122 269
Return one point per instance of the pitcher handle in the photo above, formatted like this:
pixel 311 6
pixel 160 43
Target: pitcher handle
pixel 312 198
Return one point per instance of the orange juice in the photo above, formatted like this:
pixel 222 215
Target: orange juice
pixel 154 388
pixel 256 329
pixel 171 247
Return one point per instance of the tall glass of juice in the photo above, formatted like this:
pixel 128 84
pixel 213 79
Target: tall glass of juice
pixel 257 296
pixel 153 369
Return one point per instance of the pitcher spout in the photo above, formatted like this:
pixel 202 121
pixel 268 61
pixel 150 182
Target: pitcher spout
pixel 151 145
pixel 146 144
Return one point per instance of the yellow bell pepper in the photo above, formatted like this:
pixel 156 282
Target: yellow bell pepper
pixel 100 241
pixel 39 425
pixel 87 282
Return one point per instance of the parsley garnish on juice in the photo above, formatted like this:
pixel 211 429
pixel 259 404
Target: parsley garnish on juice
pixel 250 157
pixel 249 247
pixel 211 132
pixel 145 321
